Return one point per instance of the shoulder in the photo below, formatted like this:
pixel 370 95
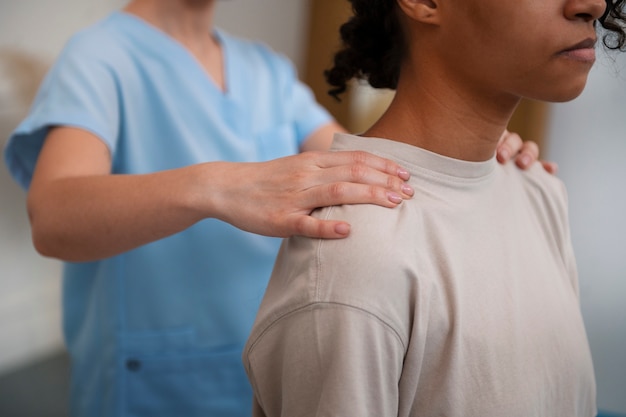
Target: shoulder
pixel 374 269
pixel 542 196
pixel 96 41
pixel 373 231
pixel 544 190
pixel 367 271
pixel 250 47
pixel 537 177
pixel 99 53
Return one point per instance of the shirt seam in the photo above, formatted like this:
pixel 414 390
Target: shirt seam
pixel 303 307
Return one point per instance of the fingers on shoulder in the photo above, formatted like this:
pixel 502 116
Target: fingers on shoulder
pixel 360 161
pixel 317 228
pixel 510 144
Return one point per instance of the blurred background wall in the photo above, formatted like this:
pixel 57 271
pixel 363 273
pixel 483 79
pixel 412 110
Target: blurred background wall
pixel 586 137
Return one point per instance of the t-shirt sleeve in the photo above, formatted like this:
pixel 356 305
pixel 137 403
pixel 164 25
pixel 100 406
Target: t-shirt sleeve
pixel 79 91
pixel 326 360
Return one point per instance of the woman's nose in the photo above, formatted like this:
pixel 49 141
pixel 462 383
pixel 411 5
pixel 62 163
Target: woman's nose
pixel 587 10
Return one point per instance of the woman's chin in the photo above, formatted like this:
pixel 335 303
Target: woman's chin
pixel 562 94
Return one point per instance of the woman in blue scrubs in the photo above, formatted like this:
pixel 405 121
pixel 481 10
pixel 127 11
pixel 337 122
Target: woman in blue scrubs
pixel 155 145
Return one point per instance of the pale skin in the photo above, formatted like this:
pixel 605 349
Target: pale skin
pixel 79 211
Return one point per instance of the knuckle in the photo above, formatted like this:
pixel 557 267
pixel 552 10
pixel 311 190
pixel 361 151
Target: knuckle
pixel 532 147
pixel 310 227
pixel 393 183
pixel 358 172
pixel 337 190
pixel 360 157
pixel 372 192
pixel 505 145
pixel 391 168
pixel 513 140
pixel 320 229
pixel 300 226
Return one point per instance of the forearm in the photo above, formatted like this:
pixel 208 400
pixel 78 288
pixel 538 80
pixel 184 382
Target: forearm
pixel 94 217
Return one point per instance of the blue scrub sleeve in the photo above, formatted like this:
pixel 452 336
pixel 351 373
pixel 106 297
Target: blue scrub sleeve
pixel 79 91
pixel 309 115
pixel 306 114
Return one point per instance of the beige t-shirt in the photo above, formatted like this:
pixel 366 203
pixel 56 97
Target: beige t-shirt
pixel 460 302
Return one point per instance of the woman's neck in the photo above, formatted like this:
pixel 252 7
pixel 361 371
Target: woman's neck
pixel 190 22
pixel 434 114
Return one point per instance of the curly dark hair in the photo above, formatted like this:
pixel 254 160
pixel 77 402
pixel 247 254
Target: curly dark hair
pixel 614 23
pixel 373 43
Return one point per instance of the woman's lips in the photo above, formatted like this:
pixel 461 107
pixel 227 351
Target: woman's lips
pixel 582 51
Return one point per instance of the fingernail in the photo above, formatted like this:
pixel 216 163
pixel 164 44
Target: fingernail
pixel 342 228
pixel 504 154
pixel 525 160
pixel 404 174
pixel 394 198
pixel 407 189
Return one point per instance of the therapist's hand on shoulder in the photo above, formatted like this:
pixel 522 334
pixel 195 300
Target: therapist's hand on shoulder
pixel 276 198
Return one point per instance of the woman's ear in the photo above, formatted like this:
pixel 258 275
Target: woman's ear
pixel 425 11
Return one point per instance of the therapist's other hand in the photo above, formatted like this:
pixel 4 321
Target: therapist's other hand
pixel 525 153
pixel 276 198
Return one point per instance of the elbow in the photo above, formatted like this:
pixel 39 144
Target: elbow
pixel 50 233
pixel 39 236
pixel 46 239
pixel 50 244
pixel 52 240
pixel 43 241
pixel 44 249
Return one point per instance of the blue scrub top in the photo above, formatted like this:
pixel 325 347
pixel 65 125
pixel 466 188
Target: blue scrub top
pixel 159 330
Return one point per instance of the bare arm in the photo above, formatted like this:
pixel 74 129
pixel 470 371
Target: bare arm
pixel 80 212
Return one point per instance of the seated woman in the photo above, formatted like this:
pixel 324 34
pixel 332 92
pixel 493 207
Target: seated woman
pixel 463 301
